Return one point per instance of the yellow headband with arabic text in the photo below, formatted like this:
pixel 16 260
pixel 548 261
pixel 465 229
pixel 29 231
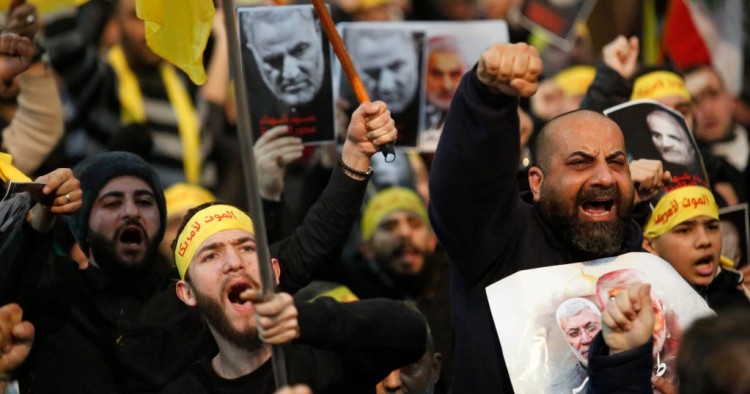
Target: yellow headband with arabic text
pixel 658 84
pixel 203 224
pixel 679 205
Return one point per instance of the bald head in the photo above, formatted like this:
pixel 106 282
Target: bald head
pixel 565 127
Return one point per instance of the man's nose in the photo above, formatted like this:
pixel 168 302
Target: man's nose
pixel 602 175
pixel 130 208
pixel 392 382
pixel 290 69
pixel 387 82
pixel 232 260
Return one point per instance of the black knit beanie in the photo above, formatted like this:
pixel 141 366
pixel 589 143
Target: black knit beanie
pixel 95 172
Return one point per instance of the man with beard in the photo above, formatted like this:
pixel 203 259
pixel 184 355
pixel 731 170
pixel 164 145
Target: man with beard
pixel 400 260
pixel 578 207
pixel 332 347
pixel 117 326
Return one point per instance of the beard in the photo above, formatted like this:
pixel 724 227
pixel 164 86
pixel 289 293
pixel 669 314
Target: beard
pixel 105 255
pixel 214 315
pixel 597 239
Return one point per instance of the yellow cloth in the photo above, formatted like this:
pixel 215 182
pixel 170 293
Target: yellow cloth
pixel 575 80
pixel 679 205
pixel 131 100
pixel 8 172
pixel 46 6
pixel 203 224
pixel 658 84
pixel 387 201
pixel 178 30
pixel 183 196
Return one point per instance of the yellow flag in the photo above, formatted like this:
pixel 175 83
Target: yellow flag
pixel 10 173
pixel 46 6
pixel 178 30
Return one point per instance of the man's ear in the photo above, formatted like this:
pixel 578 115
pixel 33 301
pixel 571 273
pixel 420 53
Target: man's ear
pixel 437 364
pixel 185 293
pixel 648 245
pixel 276 270
pixel 536 176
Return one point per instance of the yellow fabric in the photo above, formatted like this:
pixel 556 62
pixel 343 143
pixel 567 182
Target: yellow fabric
pixel 575 80
pixel 364 5
pixel 339 293
pixel 178 30
pixel 131 100
pixel 203 224
pixel 47 6
pixel 183 196
pixel 8 172
pixel 679 205
pixel 650 41
pixel 658 84
pixel 387 201
pixel 726 262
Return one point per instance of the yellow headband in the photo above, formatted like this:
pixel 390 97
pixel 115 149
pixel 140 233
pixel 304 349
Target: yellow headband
pixel 182 196
pixel 659 84
pixel 203 224
pixel 575 80
pixel 679 205
pixel 387 201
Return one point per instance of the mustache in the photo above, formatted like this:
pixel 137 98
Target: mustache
pixel 128 223
pixel 597 192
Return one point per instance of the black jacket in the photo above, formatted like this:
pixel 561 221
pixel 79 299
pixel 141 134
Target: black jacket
pixel 343 348
pixel 96 333
pixel 488 231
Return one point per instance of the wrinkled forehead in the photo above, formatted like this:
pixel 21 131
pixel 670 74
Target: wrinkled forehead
pixel 585 131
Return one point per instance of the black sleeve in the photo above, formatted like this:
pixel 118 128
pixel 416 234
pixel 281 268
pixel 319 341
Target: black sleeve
pixel 626 372
pixel 607 90
pixel 473 179
pixel 375 336
pixel 316 244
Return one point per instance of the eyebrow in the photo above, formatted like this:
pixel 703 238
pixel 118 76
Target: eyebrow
pixel 120 193
pixel 233 242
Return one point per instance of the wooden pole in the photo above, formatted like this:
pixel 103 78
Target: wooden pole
pixel 346 64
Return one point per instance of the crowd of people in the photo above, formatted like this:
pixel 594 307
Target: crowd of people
pixel 134 268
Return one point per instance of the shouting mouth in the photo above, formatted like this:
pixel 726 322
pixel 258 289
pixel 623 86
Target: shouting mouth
pixel 598 209
pixel 233 296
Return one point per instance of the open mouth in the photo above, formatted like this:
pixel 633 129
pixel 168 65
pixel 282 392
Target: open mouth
pixel 597 208
pixel 705 266
pixel 234 293
pixel 131 235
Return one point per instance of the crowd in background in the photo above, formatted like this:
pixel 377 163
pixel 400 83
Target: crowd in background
pixel 80 84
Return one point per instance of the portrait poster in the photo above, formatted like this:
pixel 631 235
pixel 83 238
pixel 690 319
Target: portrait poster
pixel 389 59
pixel 538 317
pixel 557 18
pixel 735 234
pixel 451 49
pixel 287 66
pixel 657 132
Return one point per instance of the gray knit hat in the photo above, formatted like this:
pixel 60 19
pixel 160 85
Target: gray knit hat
pixel 95 172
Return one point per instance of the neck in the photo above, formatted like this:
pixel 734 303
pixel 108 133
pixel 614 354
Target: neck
pixel 233 362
